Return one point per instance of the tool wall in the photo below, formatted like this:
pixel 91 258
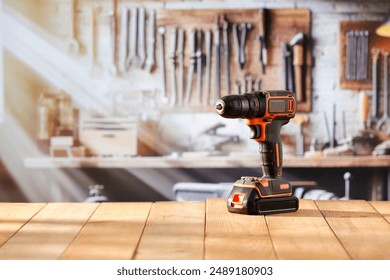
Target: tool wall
pixel 211 53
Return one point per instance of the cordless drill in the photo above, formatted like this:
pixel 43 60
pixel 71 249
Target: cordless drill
pixel 265 112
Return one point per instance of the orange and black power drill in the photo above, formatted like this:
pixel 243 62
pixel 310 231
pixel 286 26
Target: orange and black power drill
pixel 265 112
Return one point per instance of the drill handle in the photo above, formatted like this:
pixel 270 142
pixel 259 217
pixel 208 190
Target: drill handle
pixel 271 152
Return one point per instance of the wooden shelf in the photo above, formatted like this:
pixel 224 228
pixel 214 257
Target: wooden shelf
pixel 235 161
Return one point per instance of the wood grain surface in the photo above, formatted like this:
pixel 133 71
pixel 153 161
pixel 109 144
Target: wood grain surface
pixel 332 230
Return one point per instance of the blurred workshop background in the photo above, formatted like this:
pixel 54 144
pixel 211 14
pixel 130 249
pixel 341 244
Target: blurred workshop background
pixel 114 99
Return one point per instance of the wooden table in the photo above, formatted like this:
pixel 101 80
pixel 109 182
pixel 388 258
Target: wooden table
pixel 193 230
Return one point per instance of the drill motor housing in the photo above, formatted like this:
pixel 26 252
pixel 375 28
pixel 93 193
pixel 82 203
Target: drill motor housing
pixel 265 112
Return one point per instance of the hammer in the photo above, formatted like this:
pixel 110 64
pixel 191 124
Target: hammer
pixel 297 44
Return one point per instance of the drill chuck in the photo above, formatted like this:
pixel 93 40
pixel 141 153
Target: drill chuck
pixel 245 106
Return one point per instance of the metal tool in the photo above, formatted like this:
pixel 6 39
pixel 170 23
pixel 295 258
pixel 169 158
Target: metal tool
pixel 208 43
pixel 237 87
pixel 132 55
pixel 244 28
pixel 161 34
pixel 73 43
pixel 375 85
pixel 265 115
pixel 113 68
pixel 180 54
pixel 226 52
pixel 356 62
pixel 124 39
pixel 248 83
pixel 141 37
pixel 262 39
pixel 385 120
pixel 257 85
pixel 217 50
pixel 236 39
pixel 172 59
pixel 199 57
pixel 287 72
pixel 191 65
pixel 150 63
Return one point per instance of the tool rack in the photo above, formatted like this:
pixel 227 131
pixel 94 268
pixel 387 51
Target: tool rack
pixel 281 26
pixel 375 41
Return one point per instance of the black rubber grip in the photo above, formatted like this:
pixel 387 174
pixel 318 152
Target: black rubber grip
pixel 271 151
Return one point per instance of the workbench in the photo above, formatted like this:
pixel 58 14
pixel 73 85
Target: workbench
pixel 354 229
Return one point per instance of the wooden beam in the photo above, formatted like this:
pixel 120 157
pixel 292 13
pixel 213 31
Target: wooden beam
pixel 49 233
pixel 174 230
pixel 235 236
pixel 362 230
pixel 304 235
pixel 112 232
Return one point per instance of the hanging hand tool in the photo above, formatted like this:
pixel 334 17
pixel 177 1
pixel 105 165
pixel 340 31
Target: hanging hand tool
pixel 236 39
pixel 208 44
pixel 172 58
pixel 244 29
pixel 217 50
pixel 265 112
pixel 248 83
pixel 161 34
pixel 124 39
pixel 262 39
pixel 191 67
pixel 150 63
pixel 238 87
pixel 375 85
pixel 133 37
pixel 287 72
pixel 385 120
pixel 257 85
pixel 297 44
pixel 113 69
pixel 199 57
pixel 73 43
pixel 180 54
pixel 141 37
pixel 226 52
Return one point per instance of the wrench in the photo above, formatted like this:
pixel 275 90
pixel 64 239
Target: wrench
pixel 124 38
pixel 199 66
pixel 191 67
pixel 180 53
pixel 385 120
pixel 238 87
pixel 161 34
pixel 73 43
pixel 226 54
pixel 208 43
pixel 375 85
pixel 141 38
pixel 133 38
pixel 217 48
pixel 113 69
pixel 172 58
pixel 150 63
pixel 245 27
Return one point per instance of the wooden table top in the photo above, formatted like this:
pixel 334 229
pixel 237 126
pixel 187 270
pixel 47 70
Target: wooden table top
pixel 352 229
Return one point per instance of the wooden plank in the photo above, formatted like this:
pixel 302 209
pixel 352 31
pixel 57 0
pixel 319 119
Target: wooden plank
pixel 48 234
pixel 362 230
pixel 383 207
pixel 112 232
pixel 174 230
pixel 304 235
pixel 13 216
pixel 235 236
